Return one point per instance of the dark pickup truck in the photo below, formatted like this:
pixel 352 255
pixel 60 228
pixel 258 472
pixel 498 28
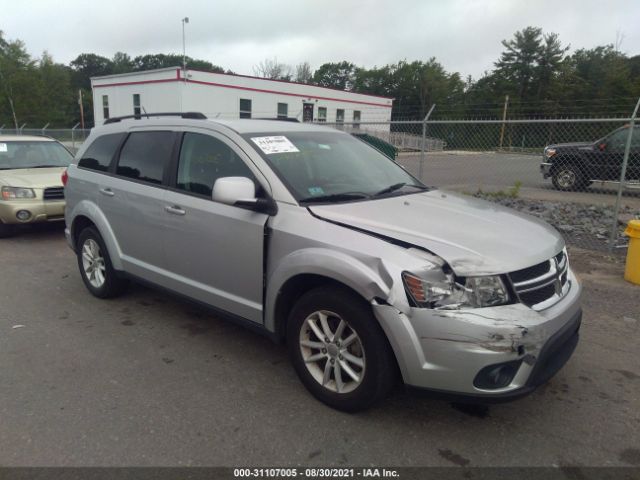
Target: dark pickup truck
pixel 574 166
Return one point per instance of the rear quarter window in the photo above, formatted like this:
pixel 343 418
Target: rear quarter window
pixel 100 153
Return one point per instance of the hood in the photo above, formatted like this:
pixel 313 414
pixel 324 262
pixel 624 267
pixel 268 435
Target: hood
pixel 473 236
pixel 571 146
pixel 32 177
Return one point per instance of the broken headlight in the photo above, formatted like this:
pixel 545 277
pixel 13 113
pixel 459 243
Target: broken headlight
pixel 441 290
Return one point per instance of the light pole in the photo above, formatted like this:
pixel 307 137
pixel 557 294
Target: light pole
pixel 185 20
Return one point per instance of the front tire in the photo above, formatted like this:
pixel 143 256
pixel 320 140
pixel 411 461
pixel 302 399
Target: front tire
pixel 569 178
pixel 339 350
pixel 6 230
pixel 95 266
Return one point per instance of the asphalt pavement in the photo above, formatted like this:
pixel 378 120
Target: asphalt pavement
pixel 148 379
pixel 496 171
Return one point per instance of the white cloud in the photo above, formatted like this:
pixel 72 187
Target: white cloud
pixel 463 35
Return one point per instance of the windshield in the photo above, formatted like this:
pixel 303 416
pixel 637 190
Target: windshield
pixel 33 154
pixel 331 166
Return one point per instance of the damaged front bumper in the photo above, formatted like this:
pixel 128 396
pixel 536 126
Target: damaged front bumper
pixel 452 351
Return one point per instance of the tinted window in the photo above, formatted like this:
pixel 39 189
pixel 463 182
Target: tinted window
pixel 617 141
pixel 99 154
pixel 204 159
pixel 145 155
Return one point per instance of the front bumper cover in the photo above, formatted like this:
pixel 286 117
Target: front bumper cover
pixel 41 211
pixel 545 169
pixel 443 351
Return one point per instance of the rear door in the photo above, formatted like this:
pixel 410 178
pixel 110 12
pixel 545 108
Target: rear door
pixel 132 199
pixel 215 252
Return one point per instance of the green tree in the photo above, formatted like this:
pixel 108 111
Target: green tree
pixel 339 75
pixel 122 63
pixel 18 82
pixel 57 103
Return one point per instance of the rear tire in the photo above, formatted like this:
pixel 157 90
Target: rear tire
pixel 95 266
pixel 338 349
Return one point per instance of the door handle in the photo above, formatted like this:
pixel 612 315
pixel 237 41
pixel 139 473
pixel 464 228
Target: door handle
pixel 107 191
pixel 174 209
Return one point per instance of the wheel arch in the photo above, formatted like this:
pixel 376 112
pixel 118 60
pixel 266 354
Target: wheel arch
pixel 296 275
pixel 86 214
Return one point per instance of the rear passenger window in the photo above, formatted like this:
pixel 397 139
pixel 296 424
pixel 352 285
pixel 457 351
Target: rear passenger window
pixel 145 155
pixel 99 154
pixel 204 159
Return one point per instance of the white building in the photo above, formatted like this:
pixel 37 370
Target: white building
pixel 221 95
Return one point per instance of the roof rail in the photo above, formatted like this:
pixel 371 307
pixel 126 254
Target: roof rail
pixel 138 116
pixel 285 119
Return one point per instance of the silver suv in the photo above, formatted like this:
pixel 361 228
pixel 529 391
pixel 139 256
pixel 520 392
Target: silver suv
pixel 312 236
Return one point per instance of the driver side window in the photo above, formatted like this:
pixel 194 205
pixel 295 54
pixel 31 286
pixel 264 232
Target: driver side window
pixel 204 159
pixel 617 141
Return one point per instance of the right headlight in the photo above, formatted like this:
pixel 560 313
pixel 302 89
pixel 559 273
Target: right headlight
pixel 12 193
pixel 443 291
pixel 549 152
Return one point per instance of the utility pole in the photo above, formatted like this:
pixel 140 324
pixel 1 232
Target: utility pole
pixel 504 119
pixel 185 20
pixel 81 109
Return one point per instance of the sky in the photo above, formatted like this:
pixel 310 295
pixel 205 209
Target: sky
pixel 464 35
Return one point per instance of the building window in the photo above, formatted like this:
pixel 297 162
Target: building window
pixel 136 104
pixel 283 110
pixel 322 114
pixel 245 108
pixel 105 106
pixel 356 119
pixel 339 115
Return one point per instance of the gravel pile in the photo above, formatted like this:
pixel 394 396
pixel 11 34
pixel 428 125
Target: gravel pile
pixel 582 225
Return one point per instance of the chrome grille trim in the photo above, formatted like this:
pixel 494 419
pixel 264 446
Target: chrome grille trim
pixel 557 276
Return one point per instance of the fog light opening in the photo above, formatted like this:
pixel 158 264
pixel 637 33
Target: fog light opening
pixel 23 215
pixel 497 376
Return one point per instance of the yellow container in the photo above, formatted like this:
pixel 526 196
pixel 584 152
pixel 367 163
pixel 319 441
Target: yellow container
pixel 632 269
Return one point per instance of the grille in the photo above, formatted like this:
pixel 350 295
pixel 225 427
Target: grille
pixel 542 282
pixel 56 193
pixel 538 296
pixel 530 272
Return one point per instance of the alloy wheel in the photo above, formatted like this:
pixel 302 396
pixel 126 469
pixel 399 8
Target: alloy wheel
pixel 566 178
pixel 332 352
pixel 93 263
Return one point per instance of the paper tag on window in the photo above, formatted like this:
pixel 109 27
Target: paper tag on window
pixel 277 144
pixel 3 147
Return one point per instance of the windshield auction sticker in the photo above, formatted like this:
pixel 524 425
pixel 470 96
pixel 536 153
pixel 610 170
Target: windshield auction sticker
pixel 277 144
pixel 3 147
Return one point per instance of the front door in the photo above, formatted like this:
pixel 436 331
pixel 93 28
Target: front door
pixel 214 251
pixel 307 112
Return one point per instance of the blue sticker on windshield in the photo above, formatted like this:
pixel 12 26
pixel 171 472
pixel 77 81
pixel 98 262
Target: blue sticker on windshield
pixel 316 190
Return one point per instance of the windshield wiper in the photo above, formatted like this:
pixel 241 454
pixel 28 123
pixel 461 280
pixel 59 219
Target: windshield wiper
pixel 397 186
pixel 335 197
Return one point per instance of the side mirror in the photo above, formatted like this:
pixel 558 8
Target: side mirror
pixel 241 192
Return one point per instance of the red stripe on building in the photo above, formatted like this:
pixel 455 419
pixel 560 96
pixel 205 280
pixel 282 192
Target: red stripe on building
pixel 259 90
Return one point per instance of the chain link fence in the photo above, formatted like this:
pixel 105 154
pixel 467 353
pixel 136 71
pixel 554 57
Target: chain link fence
pixel 72 138
pixel 580 175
